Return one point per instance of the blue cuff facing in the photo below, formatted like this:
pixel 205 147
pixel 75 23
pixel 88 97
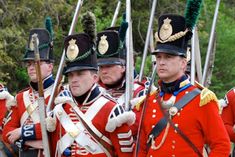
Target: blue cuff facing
pixel 28 132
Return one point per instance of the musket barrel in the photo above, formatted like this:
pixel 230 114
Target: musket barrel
pixel 61 65
pixel 41 101
pixel 116 14
pixel 198 58
pixel 129 58
pixel 210 46
pixel 193 52
pixel 147 40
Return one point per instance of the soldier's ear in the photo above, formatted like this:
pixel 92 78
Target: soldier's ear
pixel 95 77
pixel 123 68
pixel 184 62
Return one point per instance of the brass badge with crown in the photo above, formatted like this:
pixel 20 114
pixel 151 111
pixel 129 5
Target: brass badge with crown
pixel 166 30
pixel 72 50
pixel 103 45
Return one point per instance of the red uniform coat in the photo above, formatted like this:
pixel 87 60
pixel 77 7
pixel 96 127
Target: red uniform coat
pixel 228 114
pixel 99 121
pixel 201 124
pixel 2 113
pixel 30 129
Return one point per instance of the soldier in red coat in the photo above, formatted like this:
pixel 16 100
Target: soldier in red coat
pixel 180 118
pixel 23 124
pixel 6 99
pixel 111 53
pixel 228 115
pixel 87 122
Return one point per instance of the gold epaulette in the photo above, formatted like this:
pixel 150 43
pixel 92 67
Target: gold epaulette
pixel 206 95
pixel 141 100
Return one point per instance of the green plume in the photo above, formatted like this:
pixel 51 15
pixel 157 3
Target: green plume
pixel 123 28
pixel 48 25
pixel 192 12
pixel 88 21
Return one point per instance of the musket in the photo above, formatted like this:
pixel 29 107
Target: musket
pixel 210 46
pixel 210 64
pixel 197 57
pixel 61 65
pixel 144 110
pixel 154 4
pixel 151 47
pixel 129 58
pixel 41 100
pixel 116 13
pixel 193 61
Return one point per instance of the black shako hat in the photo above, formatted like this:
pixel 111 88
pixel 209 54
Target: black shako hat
pixel 172 36
pixel 79 53
pixel 110 49
pixel 45 45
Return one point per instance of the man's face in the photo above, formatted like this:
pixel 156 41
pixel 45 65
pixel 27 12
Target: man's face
pixel 46 70
pixel 110 74
pixel 170 67
pixel 81 81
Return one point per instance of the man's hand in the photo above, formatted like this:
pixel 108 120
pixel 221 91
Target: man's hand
pixel 14 135
pixel 35 144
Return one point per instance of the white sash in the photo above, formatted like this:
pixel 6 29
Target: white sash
pixel 78 132
pixel 33 106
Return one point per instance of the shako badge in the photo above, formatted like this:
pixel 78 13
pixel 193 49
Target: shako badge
pixel 166 29
pixel 103 45
pixel 72 50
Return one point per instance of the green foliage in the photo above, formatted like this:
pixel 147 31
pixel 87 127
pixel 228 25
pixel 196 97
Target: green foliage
pixel 18 17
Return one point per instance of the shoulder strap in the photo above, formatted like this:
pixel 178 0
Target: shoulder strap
pixel 159 127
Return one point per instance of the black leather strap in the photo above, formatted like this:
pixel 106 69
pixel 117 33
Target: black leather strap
pixel 159 127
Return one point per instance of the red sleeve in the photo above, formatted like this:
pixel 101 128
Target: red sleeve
pixel 124 129
pixel 13 122
pixel 121 134
pixel 3 110
pixel 228 115
pixel 214 131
